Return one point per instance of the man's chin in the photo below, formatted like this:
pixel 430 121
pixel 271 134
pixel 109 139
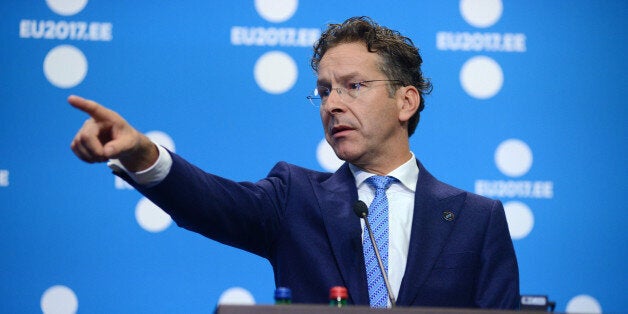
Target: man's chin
pixel 346 155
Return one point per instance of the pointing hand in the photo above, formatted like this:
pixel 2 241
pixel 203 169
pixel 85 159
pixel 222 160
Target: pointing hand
pixel 106 135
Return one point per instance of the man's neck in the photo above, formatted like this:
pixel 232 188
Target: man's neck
pixel 385 165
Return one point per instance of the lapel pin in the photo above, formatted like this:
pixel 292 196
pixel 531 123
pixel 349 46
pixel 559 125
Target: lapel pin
pixel 448 216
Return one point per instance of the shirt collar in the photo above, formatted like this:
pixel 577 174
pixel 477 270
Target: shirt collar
pixel 407 174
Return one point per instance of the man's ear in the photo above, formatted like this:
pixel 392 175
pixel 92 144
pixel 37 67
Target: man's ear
pixel 408 99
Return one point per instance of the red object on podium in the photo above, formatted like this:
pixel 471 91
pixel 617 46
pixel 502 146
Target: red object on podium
pixel 338 296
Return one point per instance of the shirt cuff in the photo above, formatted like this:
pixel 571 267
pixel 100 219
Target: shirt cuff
pixel 151 176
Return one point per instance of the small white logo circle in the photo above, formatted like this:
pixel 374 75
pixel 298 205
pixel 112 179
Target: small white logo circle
pixel 583 304
pixel 275 72
pixel 481 13
pixel 481 77
pixel 326 157
pixel 520 219
pixel 276 11
pixel 65 66
pixel 66 7
pixel 59 300
pixel 513 158
pixel 150 217
pixel 236 295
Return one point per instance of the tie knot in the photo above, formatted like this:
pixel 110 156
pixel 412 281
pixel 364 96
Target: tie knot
pixel 380 182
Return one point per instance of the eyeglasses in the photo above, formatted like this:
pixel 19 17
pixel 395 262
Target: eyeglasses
pixel 347 94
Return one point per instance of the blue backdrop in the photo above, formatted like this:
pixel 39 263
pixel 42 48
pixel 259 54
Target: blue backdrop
pixel 527 107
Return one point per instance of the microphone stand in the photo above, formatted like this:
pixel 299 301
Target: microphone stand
pixel 379 260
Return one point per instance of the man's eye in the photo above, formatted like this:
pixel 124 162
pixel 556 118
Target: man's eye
pixel 355 86
pixel 323 92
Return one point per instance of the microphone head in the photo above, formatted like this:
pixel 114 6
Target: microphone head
pixel 360 209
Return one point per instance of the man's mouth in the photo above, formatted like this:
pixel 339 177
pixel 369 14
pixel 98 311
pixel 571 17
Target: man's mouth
pixel 340 129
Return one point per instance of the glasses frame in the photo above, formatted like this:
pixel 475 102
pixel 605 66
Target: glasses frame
pixel 317 101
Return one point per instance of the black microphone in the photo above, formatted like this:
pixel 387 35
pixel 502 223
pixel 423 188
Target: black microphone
pixel 362 211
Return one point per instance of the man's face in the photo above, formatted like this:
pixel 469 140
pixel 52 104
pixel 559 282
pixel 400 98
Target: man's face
pixel 367 129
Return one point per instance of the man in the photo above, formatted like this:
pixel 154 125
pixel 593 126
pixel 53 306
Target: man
pixel 445 247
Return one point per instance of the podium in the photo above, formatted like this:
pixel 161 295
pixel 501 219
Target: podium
pixel 318 309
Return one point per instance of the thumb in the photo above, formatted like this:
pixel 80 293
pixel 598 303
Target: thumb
pixel 118 147
pixel 110 151
pixel 135 152
pixel 124 143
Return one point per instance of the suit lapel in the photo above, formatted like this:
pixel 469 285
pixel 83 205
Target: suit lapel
pixel 336 197
pixel 430 231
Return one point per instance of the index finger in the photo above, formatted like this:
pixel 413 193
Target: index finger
pixel 92 108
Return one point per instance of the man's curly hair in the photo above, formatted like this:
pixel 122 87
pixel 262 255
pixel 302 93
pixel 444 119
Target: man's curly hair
pixel 401 59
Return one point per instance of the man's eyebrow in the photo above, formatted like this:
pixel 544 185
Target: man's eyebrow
pixel 343 78
pixel 322 82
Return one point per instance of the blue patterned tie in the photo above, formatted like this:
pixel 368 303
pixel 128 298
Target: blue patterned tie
pixel 378 218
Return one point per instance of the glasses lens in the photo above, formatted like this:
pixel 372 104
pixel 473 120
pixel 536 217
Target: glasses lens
pixel 354 89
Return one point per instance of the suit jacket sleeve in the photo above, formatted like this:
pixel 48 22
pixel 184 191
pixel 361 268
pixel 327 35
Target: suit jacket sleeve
pixel 245 215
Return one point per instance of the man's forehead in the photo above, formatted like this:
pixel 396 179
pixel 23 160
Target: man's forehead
pixel 347 61
pixel 347 52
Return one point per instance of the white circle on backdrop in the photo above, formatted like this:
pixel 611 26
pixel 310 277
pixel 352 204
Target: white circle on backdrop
pixel 66 7
pixel 275 72
pixel 236 295
pixel 162 139
pixel 59 300
pixel 326 157
pixel 513 157
pixel 520 219
pixel 65 66
pixel 150 217
pixel 481 13
pixel 583 304
pixel 481 77
pixel 276 11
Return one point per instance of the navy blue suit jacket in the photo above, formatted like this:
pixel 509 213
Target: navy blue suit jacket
pixel 302 221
